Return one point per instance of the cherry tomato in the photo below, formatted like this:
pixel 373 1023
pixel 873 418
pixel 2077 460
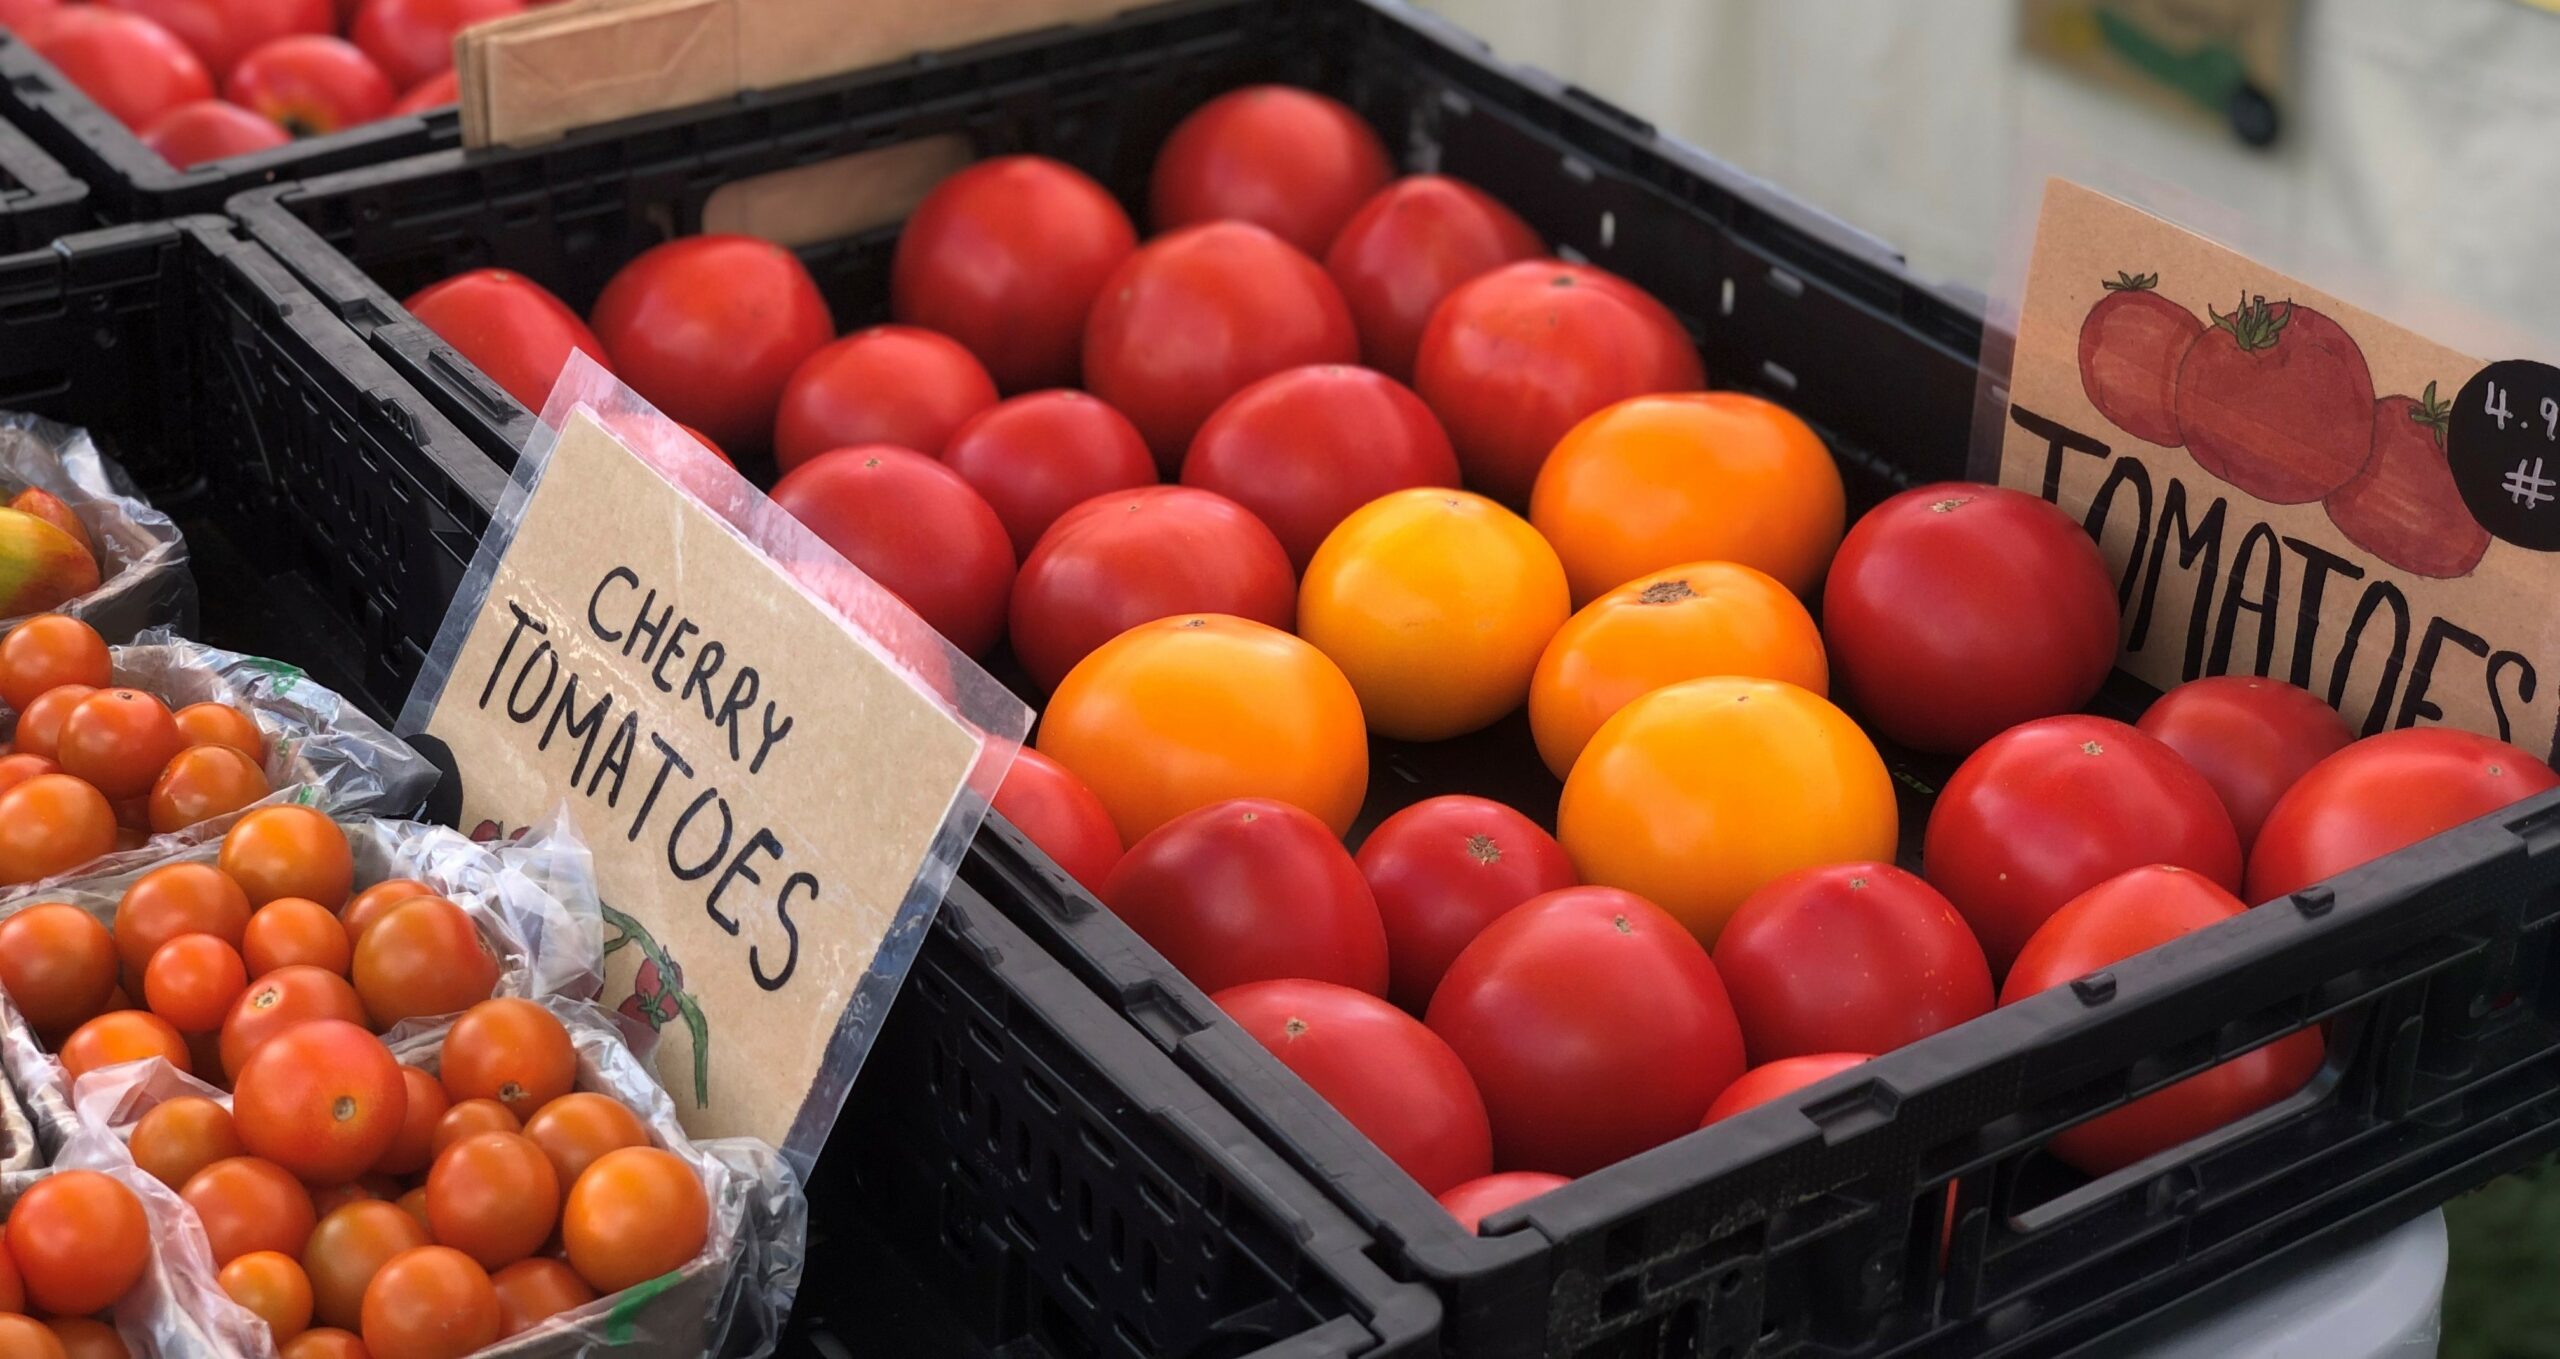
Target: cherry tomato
pixel 578 1127
pixel 47 651
pixel 274 1289
pixel 310 84
pixel 327 1199
pixel 349 1246
pixel 323 1099
pixel 1443 869
pixel 294 932
pixel 221 32
pixel 414 1203
pixel 1784 1076
pixel 182 1136
pixel 51 824
pixel 2385 793
pixel 1388 1076
pixel 326 1342
pixel 278 1001
pixel 430 1302
pixel 914 526
pixel 435 92
pixel 376 901
pixel 1289 160
pixel 635 1214
pixel 894 385
pixel 1303 448
pixel 1515 358
pixel 494 1197
pixel 1852 957
pixel 1408 247
pixel 1006 257
pixel 192 981
pixel 58 965
pixel 510 327
pixel 39 730
pixel 220 724
pixel 87 1338
pixel 123 1036
pixel 2112 921
pixel 1053 809
pixel 1038 456
pixel 1471 1203
pixel 1594 1025
pixel 413 1148
pixel 174 900
pixel 17 769
pixel 510 1050
pixel 470 1118
pixel 709 328
pixel 247 1204
pixel 80 1241
pixel 13 1289
pixel 1251 890
pixel 24 1337
pixel 424 957
pixel 201 783
pixel 412 40
pixel 533 1291
pixel 135 69
pixel 1119 560
pixel 1197 315
pixel 289 851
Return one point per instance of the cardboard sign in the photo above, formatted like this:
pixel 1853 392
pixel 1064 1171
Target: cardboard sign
pixel 764 786
pixel 2269 472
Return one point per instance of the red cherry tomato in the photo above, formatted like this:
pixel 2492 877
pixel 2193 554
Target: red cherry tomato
pixel 509 326
pixel 1123 559
pixel 1038 456
pixel 1785 1076
pixel 1251 890
pixel 209 129
pixel 1860 957
pixel 311 84
pixel 2049 809
pixel 412 40
pixel 1054 810
pixel 1288 160
pixel 1442 870
pixel 1386 1074
pixel 221 32
pixel 1595 1027
pixel 435 92
pixel 1006 257
pixel 1407 248
pixel 1471 1203
pixel 709 328
pixel 1928 597
pixel 135 69
pixel 2251 738
pixel 2112 921
pixel 1304 448
pixel 914 526
pixel 1197 315
pixel 893 385
pixel 2382 794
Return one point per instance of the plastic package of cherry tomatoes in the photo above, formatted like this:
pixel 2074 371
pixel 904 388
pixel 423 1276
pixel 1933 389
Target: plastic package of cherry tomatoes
pixel 141 558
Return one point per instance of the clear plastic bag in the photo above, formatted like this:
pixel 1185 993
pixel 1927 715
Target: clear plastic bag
pixel 142 560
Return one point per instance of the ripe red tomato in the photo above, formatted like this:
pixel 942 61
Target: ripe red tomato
pixel 894 385
pixel 292 932
pixel 80 1240
pixel 511 1050
pixel 413 1147
pixel 1859 957
pixel 531 1291
pixel 192 982
pixel 1514 358
pixel 1595 1027
pixel 210 129
pixel 310 84
pixel 23 17
pixel 494 1197
pixel 278 1001
pixel 1387 1075
pixel 2049 809
pixel 1471 1203
pixel 47 651
pixel 2112 921
pixel 1407 248
pixel 221 32
pixel 1443 869
pixel 1006 257
pixel 1251 890
pixel 51 824
pixel 510 327
pixel 635 1214
pixel 247 1204
pixel 915 527
pixel 423 957
pixel 1038 456
pixel 2251 738
pixel 429 1302
pixel 2382 794
pixel 118 740
pixel 1288 160
pixel 1785 1076
pixel 59 966
pixel 412 40
pixel 437 91
pixel 1049 805
pixel 1928 597
pixel 323 1099
pixel 1304 448
pixel 1195 316
pixel 200 783
pixel 1151 552
pixel 135 69
pixel 709 328
pixel 40 722
pixel 289 851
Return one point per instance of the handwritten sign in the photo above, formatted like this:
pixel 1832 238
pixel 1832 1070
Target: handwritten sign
pixel 2268 471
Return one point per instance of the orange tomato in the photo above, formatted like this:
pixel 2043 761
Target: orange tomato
pixel 280 1000
pixel 415 1146
pixel 17 769
pixel 182 1136
pixel 50 824
pixel 192 981
pixel 433 1302
pixel 327 1199
pixel 47 651
pixel 576 1128
pixel 188 898
pixel 220 724
pixel 351 1245
pixel 469 1119
pixel 509 1050
pixel 1696 794
pixel 119 740
pixel 59 965
pixel 201 783
pixel 532 1291
pixel 325 1342
pixel 1684 622
pixel 294 932
pixel 123 1036
pixel 80 1241
pixel 1435 603
pixel 323 1099
pixel 1176 714
pixel 1701 476
pixel 414 1203
pixel 423 957
pixel 40 722
pixel 248 1204
pixel 373 902
pixel 13 1289
pixel 494 1197
pixel 635 1214
pixel 24 1337
pixel 274 1288
pixel 87 1338
pixel 289 851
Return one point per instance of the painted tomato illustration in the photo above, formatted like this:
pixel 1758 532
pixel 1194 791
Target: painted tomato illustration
pixel 2276 399
pixel 2403 507
pixel 2130 348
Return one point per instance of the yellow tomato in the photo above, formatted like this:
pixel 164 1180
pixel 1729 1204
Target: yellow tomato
pixel 1697 476
pixel 1688 622
pixel 1696 794
pixel 1435 603
pixel 1199 708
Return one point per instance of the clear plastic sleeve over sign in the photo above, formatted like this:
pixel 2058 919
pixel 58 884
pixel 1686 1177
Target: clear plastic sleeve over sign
pixel 779 764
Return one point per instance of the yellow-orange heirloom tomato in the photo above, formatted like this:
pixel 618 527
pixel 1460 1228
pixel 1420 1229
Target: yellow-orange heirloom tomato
pixel 1198 708
pixel 1436 604
pixel 1681 623
pixel 1695 795
pixel 1698 476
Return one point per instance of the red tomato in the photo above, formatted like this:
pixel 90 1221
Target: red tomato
pixel 1054 810
pixel 1785 1076
pixel 1595 1026
pixel 1860 957
pixel 1285 159
pixel 311 84
pixel 435 92
pixel 323 1099
pixel 1304 448
pixel 709 328
pixel 510 327
pixel 1251 890
pixel 2049 809
pixel 21 17
pixel 1119 560
pixel 2112 921
pixel 2251 738
pixel 1038 456
pixel 2382 794
pixel 1006 257
pixel 893 385
pixel 135 69
pixel 1410 246
pixel 209 129
pixel 1386 1074
pixel 221 32
pixel 1197 315
pixel 914 526
pixel 1929 596
pixel 412 40
pixel 1471 1203
pixel 1442 870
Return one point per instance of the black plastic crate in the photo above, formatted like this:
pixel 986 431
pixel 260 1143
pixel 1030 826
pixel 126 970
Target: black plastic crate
pixel 39 200
pixel 130 182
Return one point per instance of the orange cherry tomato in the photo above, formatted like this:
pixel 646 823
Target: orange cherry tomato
pixel 294 932
pixel 635 1214
pixel 374 902
pixel 1435 603
pixel 1683 622
pixel 414 1203
pixel 87 1338
pixel 326 1199
pixel 576 1128
pixel 1176 714
pixel 509 1050
pixel 123 1036
pixel 182 1136
pixel 80 1241
pixel 200 783
pixel 423 957
pixel 59 965
pixel 415 1146
pixel 220 724
pixel 469 1119
pixel 39 730
pixel 289 851
pixel 17 769
pixel 187 898
pixel 533 1291
pixel 192 981
pixel 280 1000
pixel 433 1302
pixel 325 1342
pixel 494 1197
pixel 323 1099
pixel 1700 476
pixel 249 1204
pixel 47 651
pixel 274 1288
pixel 351 1244
pixel 24 1337
pixel 119 740
pixel 50 824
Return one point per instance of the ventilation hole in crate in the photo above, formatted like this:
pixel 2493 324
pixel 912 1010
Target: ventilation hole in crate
pixel 1570 255
pixel 1621 1296
pixel 1785 282
pixel 1608 230
pixel 984 1035
pixel 964 1087
pixel 1731 1283
pixel 1156 1200
pixel 1074 1279
pixel 1780 378
pixel 1724 299
pixel 995 1121
pixel 1129 1338
pixel 1577 169
pixel 1057 1181
pixel 1022 1152
pixel 1119 1241
pixel 1084 1209
pixel 1455 102
pixel 1097 1144
pixel 1040 1091
pixel 1150 1269
pixel 1623 1246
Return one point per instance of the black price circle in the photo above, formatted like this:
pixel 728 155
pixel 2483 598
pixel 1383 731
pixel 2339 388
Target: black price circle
pixel 2503 444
